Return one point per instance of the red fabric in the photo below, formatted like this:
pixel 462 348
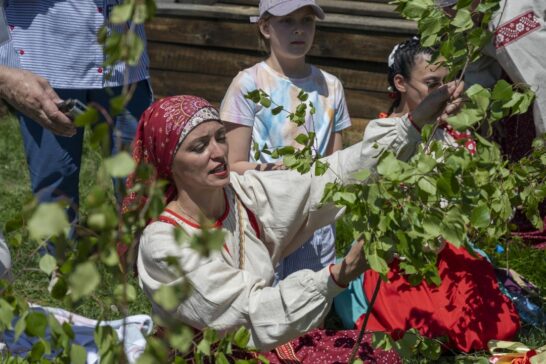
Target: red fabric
pixel 468 308
pixel 316 347
pixel 329 347
pixel 156 142
pixel 463 137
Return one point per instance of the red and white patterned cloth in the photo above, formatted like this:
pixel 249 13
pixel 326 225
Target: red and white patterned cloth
pixel 516 28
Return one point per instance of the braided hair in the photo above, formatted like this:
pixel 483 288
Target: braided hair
pixel 401 62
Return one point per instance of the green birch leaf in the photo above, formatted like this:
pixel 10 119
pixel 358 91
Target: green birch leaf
pixel 431 225
pixel 265 102
pixel 78 355
pixel 254 96
pixel 117 104
pixel 463 20
pixel 346 196
pixel 481 216
pixel 453 234
pixel 389 166
pixel 277 110
pixel 382 340
pixel 241 337
pixel 303 96
pixel 48 220
pixel 302 139
pixel 36 324
pixel 362 175
pixel 320 168
pixel 141 14
pixel 480 96
pixel 120 165
pixel 84 280
pixel 121 13
pixel 204 347
pixel 20 327
pixel 130 293
pixel 166 297
pixel 426 163
pixel 220 358
pixel 427 185
pixel 465 119
pixel 48 264
pixel 377 263
pixel 182 340
pixel 502 91
pixel 6 313
pixel 37 352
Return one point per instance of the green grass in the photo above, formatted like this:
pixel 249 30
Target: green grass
pixel 30 282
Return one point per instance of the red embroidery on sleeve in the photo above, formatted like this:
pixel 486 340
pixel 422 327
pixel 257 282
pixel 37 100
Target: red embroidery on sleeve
pixel 516 28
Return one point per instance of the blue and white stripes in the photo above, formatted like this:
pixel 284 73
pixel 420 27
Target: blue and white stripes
pixel 57 39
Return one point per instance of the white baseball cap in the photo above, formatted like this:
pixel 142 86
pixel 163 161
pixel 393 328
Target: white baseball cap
pixel 285 7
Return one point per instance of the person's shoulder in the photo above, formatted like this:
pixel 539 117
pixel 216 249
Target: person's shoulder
pixel 156 230
pixel 330 78
pixel 247 77
pixel 383 119
pixel 253 71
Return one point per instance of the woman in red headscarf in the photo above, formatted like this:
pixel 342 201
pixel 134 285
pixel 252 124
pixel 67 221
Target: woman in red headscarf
pixel 264 216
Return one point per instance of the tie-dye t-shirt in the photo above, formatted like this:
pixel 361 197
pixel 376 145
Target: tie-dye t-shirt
pixel 325 92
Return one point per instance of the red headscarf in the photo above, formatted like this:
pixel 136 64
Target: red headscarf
pixel 161 130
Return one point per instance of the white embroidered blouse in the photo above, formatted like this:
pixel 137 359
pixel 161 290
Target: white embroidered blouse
pixel 286 205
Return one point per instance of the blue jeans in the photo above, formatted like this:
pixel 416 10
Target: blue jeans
pixel 316 253
pixel 54 161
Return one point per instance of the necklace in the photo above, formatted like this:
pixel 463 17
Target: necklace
pixel 239 222
pixel 184 212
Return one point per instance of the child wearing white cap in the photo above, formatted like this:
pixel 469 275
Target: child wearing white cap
pixel 288 28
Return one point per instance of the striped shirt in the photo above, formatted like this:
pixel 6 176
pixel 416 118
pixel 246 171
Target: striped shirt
pixel 58 40
pixel 8 56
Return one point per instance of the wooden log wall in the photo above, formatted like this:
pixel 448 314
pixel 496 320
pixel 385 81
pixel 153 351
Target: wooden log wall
pixel 197 47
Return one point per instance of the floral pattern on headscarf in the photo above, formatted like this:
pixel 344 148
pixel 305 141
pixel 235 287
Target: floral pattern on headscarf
pixel 160 132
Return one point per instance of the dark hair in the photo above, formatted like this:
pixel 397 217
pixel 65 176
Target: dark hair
pixel 403 60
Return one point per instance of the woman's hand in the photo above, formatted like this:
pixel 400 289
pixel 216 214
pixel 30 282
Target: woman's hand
pixel 353 265
pixel 439 104
pixel 278 166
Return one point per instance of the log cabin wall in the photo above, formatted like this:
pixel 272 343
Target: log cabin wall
pixel 198 46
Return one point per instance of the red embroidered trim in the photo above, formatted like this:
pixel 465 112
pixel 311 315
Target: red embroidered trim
pixel 410 118
pixel 167 220
pixel 287 354
pixel 516 28
pixel 173 222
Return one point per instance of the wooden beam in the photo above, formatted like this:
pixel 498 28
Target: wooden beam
pixel 227 63
pixel 329 43
pixel 376 9
pixel 243 13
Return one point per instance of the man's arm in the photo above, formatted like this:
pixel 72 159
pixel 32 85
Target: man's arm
pixel 33 96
